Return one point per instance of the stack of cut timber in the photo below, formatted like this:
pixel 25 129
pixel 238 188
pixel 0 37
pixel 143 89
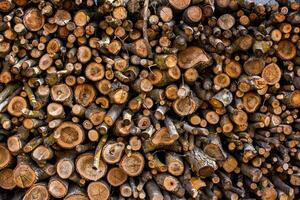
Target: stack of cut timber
pixel 149 99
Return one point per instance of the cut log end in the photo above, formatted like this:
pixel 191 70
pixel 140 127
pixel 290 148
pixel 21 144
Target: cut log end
pixel 116 176
pixel 37 191
pixel 33 19
pixel 134 164
pixel 180 4
pixel 7 181
pixel 65 168
pixel 24 176
pixel 5 157
pixel 98 190
pixel 272 74
pixel 69 135
pixel 58 188
pixel 85 167
pixel 16 105
pixel 286 50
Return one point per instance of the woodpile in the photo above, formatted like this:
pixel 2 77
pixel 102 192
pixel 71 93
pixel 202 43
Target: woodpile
pixel 149 99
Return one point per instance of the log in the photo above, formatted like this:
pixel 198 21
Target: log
pixel 133 165
pixel 69 135
pixel 98 190
pixel 39 189
pixel 201 164
pixel 58 187
pixel 84 166
pixel 170 184
pixel 116 176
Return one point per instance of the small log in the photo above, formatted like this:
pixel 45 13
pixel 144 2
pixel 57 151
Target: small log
pixel 192 14
pixel 175 164
pixel 153 191
pixel 94 71
pixel 33 19
pixel 112 115
pixel 253 173
pixel 6 157
pixel 201 164
pixel 230 164
pixel 65 165
pixel 185 58
pixel 40 189
pixel 271 73
pixel 286 50
pixel 165 13
pixel 125 190
pixel 25 175
pixel 226 21
pixel 170 184
pixel 84 166
pixel 85 94
pixel 283 186
pixel 112 152
pixel 68 135
pixel 214 148
pixel 98 190
pixel 75 193
pixel 254 66
pixel 7 181
pixel 171 129
pixel 179 5
pixel 251 101
pixel 58 187
pixel 16 105
pixel 221 99
pixel 116 176
pixel 186 106
pixel 133 165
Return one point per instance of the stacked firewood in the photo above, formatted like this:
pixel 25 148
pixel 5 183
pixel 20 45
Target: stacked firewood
pixel 149 99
